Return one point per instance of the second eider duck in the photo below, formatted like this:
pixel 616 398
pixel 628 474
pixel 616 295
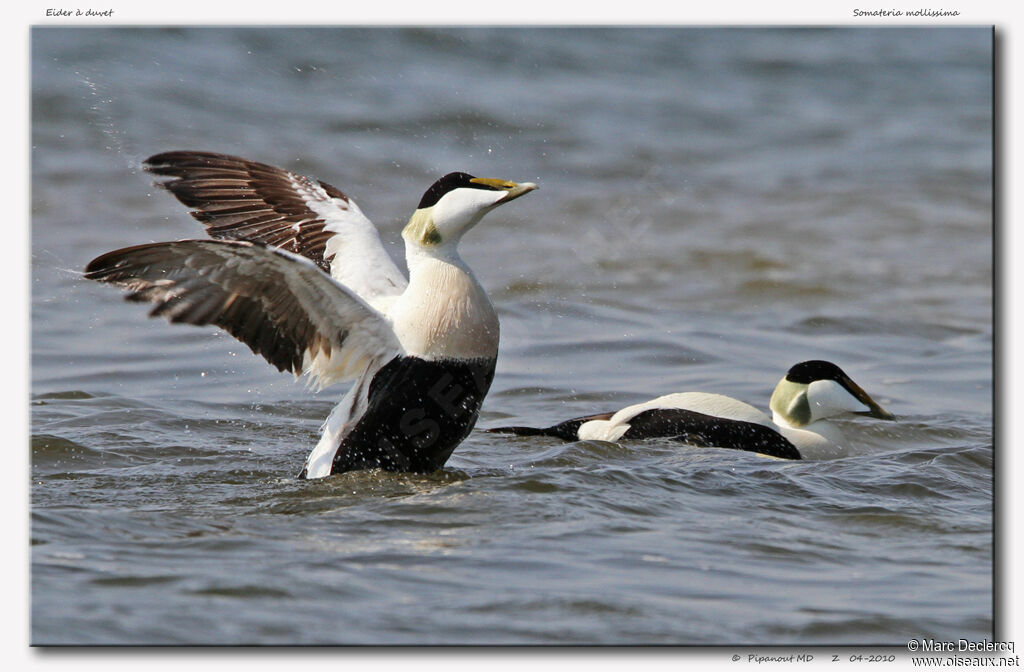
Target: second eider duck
pixel 808 395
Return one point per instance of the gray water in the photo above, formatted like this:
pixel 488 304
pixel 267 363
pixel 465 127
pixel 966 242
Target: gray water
pixel 715 206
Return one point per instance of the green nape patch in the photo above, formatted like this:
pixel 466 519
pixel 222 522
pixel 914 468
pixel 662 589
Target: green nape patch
pixel 421 229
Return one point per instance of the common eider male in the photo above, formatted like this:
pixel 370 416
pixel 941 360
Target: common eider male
pixel 809 394
pixel 299 274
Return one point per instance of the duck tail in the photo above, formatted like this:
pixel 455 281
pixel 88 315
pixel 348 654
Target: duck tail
pixel 524 431
pixel 567 431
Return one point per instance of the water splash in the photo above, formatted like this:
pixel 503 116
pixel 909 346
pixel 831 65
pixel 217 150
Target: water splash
pixel 102 106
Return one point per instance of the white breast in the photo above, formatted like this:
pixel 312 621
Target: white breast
pixel 817 441
pixel 445 313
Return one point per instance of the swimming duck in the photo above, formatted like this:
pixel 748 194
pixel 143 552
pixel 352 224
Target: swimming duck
pixel 808 395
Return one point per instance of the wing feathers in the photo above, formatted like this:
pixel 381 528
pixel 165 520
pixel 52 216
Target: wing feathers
pixel 277 303
pixel 238 199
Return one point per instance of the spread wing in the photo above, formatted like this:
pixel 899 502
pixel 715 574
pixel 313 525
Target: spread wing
pixel 278 303
pixel 237 199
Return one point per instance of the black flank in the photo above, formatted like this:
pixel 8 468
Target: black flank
pixel 707 431
pixel 418 412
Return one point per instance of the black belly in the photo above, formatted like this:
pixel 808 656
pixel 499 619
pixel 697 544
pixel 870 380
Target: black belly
pixel 418 411
pixel 698 429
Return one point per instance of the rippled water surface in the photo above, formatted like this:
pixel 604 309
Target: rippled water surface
pixel 715 205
